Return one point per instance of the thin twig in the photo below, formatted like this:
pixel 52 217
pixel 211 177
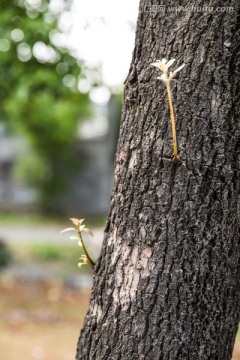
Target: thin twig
pixel 90 261
pixel 175 151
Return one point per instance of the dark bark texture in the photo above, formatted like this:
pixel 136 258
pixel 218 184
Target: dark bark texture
pixel 166 285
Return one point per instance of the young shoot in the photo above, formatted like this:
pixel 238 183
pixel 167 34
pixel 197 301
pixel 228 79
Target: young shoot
pixel 163 65
pixel 79 228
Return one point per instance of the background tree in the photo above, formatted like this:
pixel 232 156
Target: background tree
pixel 166 285
pixel 38 92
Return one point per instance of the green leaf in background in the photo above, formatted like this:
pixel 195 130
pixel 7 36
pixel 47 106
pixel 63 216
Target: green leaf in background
pixel 39 98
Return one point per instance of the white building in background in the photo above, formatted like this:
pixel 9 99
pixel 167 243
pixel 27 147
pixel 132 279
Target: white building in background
pixel 90 188
pixel 13 193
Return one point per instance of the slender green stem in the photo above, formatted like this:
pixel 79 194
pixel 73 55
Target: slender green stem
pixel 175 152
pixel 90 261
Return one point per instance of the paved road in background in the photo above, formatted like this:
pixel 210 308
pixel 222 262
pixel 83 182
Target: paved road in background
pixel 40 234
pixel 45 234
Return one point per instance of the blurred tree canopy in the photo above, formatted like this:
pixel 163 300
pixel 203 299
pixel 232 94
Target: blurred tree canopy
pixel 38 92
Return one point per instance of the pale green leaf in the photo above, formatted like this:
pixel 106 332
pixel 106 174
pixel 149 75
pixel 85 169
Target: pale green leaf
pixel 76 222
pixel 88 231
pixel 83 261
pixel 67 229
pixel 74 238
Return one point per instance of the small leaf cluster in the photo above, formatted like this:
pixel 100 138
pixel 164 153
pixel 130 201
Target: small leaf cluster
pixel 84 259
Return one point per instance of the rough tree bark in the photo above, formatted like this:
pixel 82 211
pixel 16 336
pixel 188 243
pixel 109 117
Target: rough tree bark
pixel 166 285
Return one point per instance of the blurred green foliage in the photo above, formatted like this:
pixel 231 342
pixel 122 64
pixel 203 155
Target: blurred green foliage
pixel 38 93
pixel 5 254
pixel 60 256
pixel 47 252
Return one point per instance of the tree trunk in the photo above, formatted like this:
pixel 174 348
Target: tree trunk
pixel 166 285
